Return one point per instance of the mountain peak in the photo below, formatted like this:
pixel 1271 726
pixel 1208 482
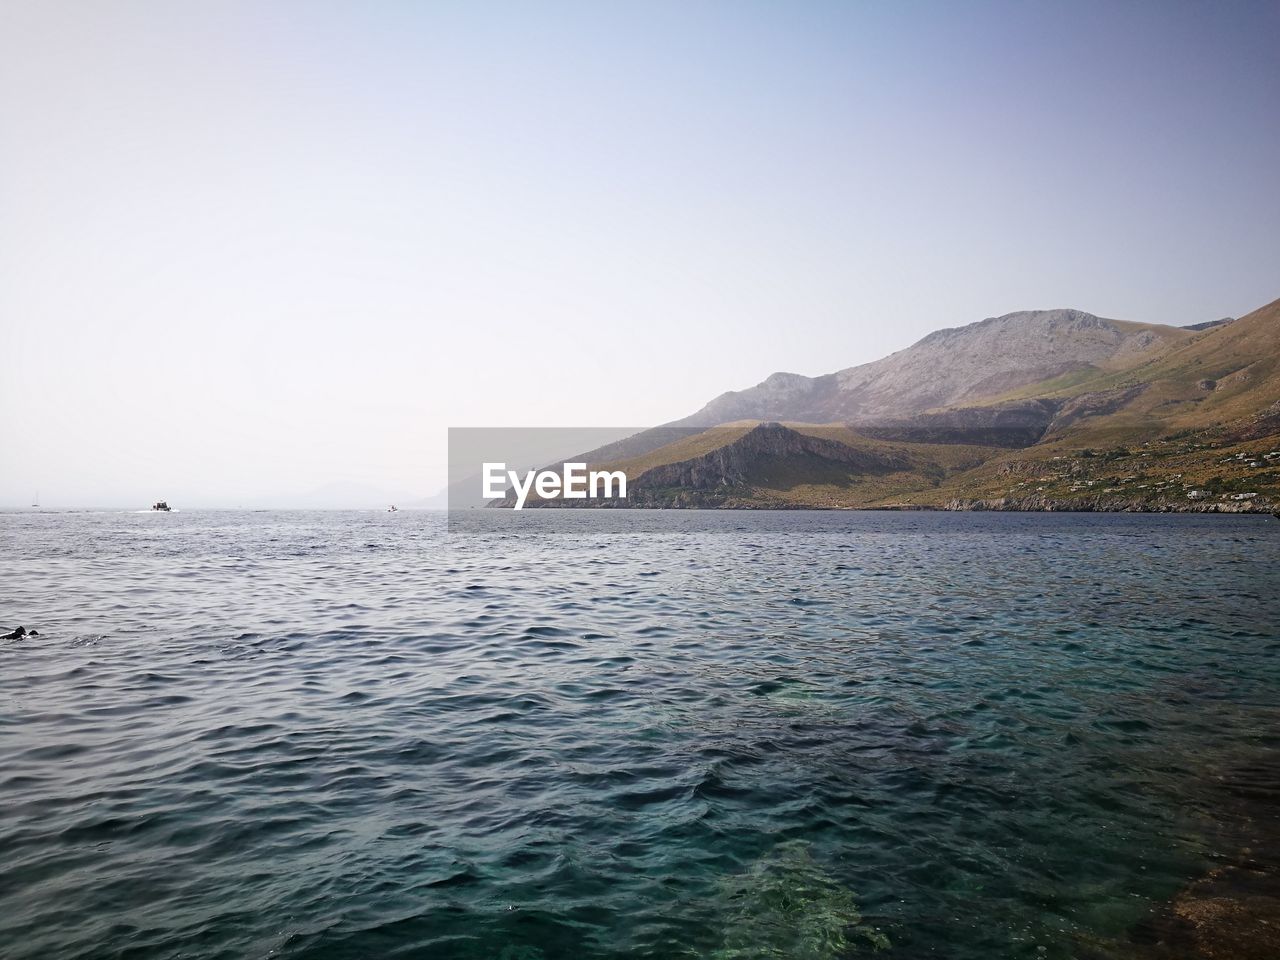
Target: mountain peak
pixel 1060 318
pixel 951 366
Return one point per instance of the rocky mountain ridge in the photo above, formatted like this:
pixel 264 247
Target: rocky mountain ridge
pixel 949 367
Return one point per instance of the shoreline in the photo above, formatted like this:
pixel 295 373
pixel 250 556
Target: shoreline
pixel 992 505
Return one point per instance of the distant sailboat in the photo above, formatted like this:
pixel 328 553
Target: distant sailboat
pixel 35 501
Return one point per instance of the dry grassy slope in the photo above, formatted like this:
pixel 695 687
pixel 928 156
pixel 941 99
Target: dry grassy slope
pixel 1207 418
pixel 1208 380
pixel 931 465
pixel 1242 359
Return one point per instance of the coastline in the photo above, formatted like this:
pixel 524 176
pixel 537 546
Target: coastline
pixel 1053 505
pixel 957 505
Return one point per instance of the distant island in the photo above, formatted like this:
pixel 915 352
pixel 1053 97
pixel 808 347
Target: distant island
pixel 1039 410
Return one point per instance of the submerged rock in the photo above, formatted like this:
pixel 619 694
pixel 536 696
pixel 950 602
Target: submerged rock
pixel 788 907
pixel 1232 911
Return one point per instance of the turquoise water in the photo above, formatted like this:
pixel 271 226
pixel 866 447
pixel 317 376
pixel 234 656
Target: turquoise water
pixel 727 735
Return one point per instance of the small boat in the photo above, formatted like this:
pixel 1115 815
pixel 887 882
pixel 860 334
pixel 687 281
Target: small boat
pixel 162 506
pixel 391 508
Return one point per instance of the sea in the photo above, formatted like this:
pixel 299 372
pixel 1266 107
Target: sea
pixel 800 735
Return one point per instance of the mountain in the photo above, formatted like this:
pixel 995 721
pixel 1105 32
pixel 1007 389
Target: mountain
pixel 949 367
pixel 1038 410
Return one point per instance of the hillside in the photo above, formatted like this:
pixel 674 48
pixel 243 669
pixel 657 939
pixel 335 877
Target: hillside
pixel 1202 416
pixel 1118 417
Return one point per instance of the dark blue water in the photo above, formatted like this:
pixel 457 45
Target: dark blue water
pixel 730 735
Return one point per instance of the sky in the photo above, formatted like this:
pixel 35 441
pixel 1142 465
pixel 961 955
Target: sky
pixel 268 252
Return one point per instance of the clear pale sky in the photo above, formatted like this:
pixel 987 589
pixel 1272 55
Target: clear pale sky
pixel 248 250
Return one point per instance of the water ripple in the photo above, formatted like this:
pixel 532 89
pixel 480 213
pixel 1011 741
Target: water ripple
pixel 354 735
